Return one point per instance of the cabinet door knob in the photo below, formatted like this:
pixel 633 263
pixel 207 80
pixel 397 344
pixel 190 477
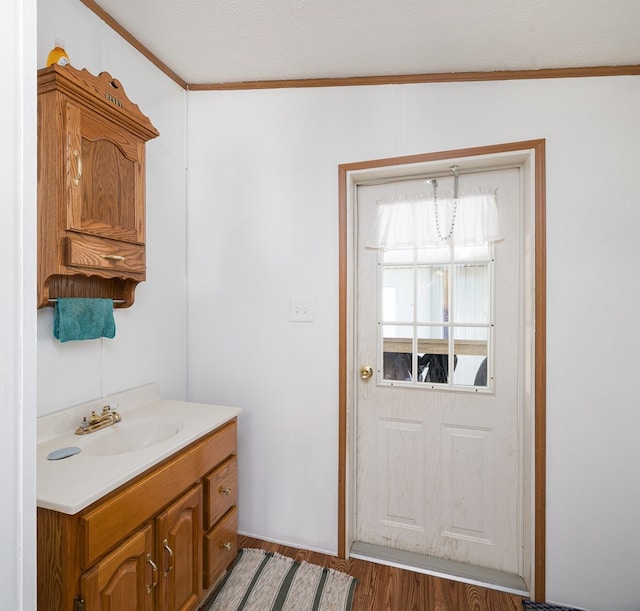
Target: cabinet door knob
pixel 154 574
pixel 169 551
pixel 226 546
pixel 225 491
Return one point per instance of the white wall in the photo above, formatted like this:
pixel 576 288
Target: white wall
pixel 150 342
pixel 263 226
pixel 17 306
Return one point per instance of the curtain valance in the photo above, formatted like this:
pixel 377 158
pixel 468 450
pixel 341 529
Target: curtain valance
pixel 420 222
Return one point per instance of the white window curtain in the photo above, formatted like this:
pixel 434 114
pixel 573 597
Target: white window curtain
pixel 410 221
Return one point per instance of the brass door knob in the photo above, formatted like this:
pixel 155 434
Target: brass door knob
pixel 366 371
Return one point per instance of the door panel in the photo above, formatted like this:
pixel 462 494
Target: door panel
pixel 468 483
pixel 438 451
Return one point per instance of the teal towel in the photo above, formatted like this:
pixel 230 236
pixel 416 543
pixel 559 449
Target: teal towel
pixel 83 319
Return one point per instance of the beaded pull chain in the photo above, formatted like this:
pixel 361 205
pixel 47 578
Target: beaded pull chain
pixel 434 184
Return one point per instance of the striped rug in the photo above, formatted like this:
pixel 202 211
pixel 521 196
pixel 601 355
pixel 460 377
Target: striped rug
pixel 267 581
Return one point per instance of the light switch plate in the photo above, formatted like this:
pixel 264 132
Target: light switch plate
pixel 301 309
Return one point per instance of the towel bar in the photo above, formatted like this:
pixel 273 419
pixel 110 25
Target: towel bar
pixel 116 302
pixel 54 299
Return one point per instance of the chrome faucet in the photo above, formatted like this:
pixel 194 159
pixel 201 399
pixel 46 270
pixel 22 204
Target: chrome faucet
pixel 98 421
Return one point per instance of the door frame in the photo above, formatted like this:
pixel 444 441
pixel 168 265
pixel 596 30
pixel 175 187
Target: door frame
pixel 350 175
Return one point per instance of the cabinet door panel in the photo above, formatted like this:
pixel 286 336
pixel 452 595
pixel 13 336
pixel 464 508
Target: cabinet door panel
pixel 124 579
pixel 179 546
pixel 105 178
pixel 109 185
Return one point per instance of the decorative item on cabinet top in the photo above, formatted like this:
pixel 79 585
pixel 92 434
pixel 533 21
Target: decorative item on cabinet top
pixel 91 187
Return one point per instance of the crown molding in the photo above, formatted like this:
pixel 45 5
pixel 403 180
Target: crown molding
pixel 435 77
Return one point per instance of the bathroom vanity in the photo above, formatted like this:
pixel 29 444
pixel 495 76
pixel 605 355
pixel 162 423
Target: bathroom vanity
pixel 144 516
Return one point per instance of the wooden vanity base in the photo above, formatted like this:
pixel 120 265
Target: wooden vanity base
pixel 159 542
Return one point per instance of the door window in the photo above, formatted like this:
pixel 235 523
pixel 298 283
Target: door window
pixel 436 324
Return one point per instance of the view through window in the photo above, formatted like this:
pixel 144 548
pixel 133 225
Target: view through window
pixel 435 326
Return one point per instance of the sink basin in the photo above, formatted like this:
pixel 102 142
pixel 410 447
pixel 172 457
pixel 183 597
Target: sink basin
pixel 130 436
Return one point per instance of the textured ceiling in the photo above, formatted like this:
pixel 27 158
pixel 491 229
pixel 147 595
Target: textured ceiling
pixel 225 41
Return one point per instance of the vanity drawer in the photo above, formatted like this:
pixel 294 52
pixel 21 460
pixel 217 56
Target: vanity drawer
pixel 220 491
pixel 220 547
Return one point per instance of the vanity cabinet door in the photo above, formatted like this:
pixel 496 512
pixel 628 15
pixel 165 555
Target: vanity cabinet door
pixel 179 553
pixel 124 579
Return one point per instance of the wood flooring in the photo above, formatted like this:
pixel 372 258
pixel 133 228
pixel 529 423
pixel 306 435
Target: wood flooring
pixel 384 588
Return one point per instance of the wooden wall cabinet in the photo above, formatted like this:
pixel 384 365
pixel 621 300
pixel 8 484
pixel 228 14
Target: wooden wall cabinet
pixel 158 543
pixel 91 187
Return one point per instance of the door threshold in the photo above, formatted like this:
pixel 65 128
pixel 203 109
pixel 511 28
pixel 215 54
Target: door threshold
pixel 447 569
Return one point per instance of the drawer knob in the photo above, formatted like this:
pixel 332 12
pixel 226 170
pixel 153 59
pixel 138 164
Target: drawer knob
pixel 226 546
pixel 113 257
pixel 225 491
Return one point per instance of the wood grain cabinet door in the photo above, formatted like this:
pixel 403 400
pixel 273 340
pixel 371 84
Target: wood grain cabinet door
pixel 123 579
pixel 105 177
pixel 179 552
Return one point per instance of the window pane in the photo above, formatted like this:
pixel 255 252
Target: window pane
pixel 397 294
pixel 397 349
pixel 433 350
pixel 470 347
pixel 471 293
pixel 433 339
pixel 432 294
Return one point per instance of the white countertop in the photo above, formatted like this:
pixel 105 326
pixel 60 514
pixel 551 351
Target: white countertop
pixel 71 484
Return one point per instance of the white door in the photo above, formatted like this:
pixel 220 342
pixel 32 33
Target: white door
pixel 438 439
